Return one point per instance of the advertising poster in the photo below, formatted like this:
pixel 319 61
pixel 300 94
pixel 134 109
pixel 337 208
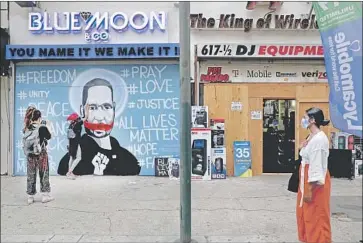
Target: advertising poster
pixel 161 166
pixel 217 130
pixel 219 164
pixel 201 153
pixel 199 116
pixel 174 168
pixel 242 159
pixel 340 26
pixel 130 112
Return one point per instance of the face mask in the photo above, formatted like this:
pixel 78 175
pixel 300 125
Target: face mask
pixel 305 123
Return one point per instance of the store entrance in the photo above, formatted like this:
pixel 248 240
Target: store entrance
pixel 278 136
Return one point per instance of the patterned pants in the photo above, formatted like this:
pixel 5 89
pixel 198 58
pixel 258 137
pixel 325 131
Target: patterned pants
pixel 38 162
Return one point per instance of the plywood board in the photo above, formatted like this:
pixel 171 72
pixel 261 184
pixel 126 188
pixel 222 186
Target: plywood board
pixel 268 90
pixel 238 124
pixel 218 98
pixel 255 136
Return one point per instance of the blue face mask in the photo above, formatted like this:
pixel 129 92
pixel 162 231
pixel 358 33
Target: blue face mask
pixel 305 123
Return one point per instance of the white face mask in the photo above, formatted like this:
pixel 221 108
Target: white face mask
pixel 305 123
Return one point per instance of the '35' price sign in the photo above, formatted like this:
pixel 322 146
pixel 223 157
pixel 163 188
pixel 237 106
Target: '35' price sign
pixel 242 157
pixel 242 151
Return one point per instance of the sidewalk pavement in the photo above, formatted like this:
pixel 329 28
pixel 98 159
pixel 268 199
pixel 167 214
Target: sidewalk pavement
pixel 146 209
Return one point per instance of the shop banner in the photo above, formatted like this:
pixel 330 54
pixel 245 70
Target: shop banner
pixel 239 72
pixel 340 25
pixel 130 115
pixel 242 158
pixel 260 50
pixel 98 51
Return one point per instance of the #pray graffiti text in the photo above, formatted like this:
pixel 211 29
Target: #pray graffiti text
pixel 147 72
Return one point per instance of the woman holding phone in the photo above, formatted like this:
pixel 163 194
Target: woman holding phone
pixel 35 140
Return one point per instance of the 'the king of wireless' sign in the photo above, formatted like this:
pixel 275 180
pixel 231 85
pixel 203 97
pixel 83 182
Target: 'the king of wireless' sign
pixel 95 26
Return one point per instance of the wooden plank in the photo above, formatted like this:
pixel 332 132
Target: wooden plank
pixel 272 90
pixel 316 91
pixel 256 135
pixel 218 98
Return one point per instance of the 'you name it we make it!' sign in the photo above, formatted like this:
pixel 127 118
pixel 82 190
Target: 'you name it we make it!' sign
pixel 242 159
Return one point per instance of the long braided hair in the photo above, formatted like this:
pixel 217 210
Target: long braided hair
pixel 28 116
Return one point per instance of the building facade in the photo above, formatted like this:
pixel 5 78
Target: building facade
pixel 116 68
pixel 268 61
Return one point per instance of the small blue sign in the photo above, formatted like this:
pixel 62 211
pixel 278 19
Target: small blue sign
pixel 98 51
pixel 242 158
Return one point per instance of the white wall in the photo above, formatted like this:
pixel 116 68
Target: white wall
pixel 272 35
pixel 21 34
pixel 4 15
pixel 5 128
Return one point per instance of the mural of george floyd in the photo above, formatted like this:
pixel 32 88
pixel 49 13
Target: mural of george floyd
pixel 130 114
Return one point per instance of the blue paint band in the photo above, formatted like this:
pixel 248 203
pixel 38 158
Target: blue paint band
pixel 99 51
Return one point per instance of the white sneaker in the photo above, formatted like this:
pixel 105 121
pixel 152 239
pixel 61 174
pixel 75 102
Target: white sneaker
pixel 30 200
pixel 47 198
pixel 71 176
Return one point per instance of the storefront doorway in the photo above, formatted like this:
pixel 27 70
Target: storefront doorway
pixel 278 136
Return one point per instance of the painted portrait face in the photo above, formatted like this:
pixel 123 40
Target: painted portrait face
pixel 100 111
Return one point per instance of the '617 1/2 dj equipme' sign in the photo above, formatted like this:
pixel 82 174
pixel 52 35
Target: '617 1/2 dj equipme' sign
pixel 247 51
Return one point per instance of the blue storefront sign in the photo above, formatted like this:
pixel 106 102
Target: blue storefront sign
pixel 242 158
pixel 97 51
pixel 340 25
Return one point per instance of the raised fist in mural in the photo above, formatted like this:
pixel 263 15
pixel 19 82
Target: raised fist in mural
pixel 100 161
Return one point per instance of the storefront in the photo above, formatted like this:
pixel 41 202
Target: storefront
pixel 261 79
pixel 119 68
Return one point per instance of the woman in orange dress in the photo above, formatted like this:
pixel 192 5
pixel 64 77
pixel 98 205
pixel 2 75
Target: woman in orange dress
pixel 313 199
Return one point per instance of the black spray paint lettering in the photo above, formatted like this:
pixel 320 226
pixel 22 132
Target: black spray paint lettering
pixel 133 51
pixel 164 50
pixel 84 51
pixel 22 52
pixel 101 51
pixel 56 52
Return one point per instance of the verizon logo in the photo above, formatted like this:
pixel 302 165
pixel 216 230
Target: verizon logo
pixel 316 74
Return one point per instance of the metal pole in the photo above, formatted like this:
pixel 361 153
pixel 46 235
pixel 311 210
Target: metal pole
pixel 185 133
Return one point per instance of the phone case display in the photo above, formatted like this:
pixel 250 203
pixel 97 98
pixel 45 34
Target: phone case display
pixel 219 166
pixel 201 153
pixel 342 140
pixel 199 116
pixel 217 126
pixel 161 166
pixel 174 168
pixel 358 168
